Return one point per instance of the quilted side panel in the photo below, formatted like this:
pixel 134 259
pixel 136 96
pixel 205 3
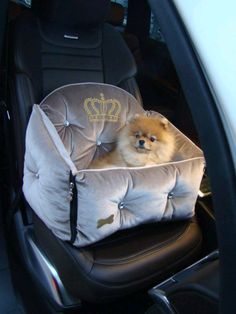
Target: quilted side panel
pixel 114 199
pixel 46 177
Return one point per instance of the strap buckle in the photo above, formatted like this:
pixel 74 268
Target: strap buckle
pixel 3 107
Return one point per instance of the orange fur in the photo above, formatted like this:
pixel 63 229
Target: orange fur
pixel 145 140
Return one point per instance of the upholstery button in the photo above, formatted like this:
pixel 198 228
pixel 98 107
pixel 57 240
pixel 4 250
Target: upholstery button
pixel 37 175
pixel 99 142
pixel 121 205
pixel 66 123
pixel 170 195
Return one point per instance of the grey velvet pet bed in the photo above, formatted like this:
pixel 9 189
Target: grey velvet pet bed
pixel 77 123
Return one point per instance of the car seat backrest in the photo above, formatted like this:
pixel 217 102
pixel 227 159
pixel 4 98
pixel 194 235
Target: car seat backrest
pixel 72 13
pixel 63 42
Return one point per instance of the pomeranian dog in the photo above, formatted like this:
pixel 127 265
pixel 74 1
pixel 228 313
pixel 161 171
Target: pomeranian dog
pixel 145 140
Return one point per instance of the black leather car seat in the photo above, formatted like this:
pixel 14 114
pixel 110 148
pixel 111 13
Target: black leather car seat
pixel 65 42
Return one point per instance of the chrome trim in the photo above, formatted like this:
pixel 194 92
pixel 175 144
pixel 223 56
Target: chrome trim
pixel 158 294
pixel 71 37
pixel 162 301
pixel 47 275
pixel 210 257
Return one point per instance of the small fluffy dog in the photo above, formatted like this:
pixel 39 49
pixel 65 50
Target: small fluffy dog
pixel 145 140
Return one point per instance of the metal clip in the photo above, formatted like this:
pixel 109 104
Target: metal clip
pixel 71 191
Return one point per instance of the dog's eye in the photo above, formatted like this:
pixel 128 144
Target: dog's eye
pixel 137 135
pixel 152 138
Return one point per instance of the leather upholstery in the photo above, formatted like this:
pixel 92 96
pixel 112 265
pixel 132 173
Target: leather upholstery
pixel 78 13
pixel 43 60
pixel 124 262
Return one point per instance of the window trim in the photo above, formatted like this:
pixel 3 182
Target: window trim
pixel 213 140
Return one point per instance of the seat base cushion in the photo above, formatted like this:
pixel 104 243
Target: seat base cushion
pixel 125 262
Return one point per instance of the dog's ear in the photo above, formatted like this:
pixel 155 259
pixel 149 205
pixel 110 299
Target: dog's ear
pixel 164 123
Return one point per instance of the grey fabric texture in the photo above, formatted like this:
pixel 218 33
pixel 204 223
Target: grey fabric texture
pixel 79 122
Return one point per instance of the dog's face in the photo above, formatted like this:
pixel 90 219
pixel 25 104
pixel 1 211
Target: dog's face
pixel 146 134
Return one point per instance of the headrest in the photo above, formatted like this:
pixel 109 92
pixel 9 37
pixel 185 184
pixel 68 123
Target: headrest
pixel 117 14
pixel 73 13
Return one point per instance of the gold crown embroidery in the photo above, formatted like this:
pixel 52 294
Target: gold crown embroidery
pixel 102 109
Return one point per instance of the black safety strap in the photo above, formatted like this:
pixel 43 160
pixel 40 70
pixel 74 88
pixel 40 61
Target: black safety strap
pixel 73 207
pixel 7 164
pixel 5 141
pixel 3 21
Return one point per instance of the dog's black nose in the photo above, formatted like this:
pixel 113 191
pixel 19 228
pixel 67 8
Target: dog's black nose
pixel 141 142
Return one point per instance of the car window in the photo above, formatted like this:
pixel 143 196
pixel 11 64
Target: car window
pixel 155 31
pixel 26 3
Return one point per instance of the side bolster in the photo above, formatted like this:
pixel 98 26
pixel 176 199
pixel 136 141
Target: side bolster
pixel 25 81
pixel 119 65
pixel 136 196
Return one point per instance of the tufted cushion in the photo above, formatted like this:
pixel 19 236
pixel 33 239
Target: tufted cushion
pixel 73 125
pixel 85 133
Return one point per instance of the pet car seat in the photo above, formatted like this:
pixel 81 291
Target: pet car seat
pixel 50 50
pixel 73 125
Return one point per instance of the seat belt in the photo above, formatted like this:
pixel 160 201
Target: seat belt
pixel 3 20
pixel 4 112
pixel 6 163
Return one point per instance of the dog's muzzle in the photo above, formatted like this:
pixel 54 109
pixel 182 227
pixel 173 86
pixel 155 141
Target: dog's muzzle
pixel 140 146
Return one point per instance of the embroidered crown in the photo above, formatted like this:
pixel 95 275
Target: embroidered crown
pixel 102 109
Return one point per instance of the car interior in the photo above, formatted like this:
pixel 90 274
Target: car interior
pixel 166 267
